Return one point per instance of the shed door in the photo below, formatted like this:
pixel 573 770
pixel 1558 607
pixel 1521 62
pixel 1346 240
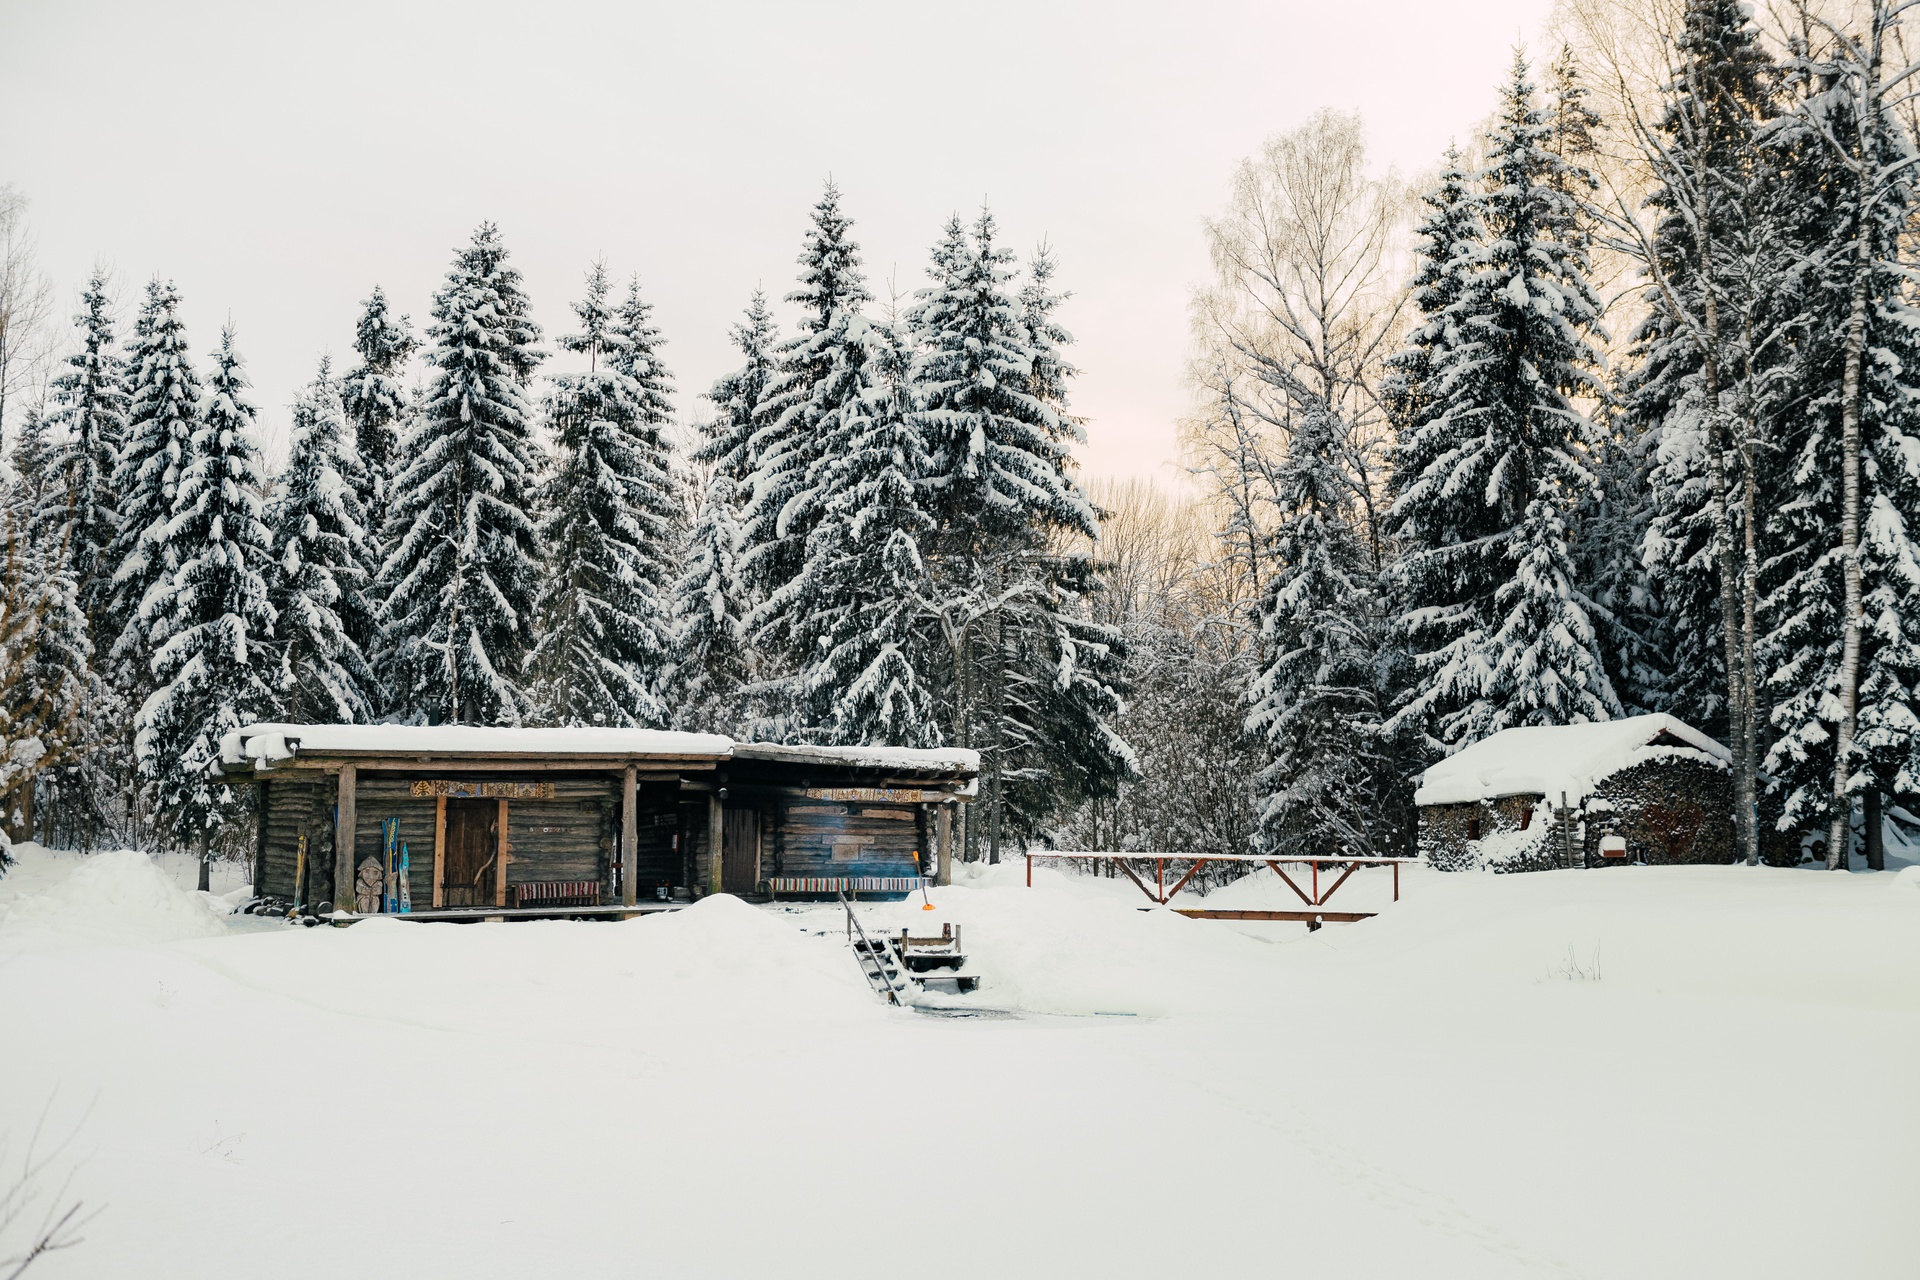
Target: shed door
pixel 473 842
pixel 740 840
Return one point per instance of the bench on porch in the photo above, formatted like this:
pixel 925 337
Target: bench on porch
pixel 557 893
pixel 849 885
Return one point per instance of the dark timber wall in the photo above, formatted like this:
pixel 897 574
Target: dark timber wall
pixel 293 804
pixel 827 838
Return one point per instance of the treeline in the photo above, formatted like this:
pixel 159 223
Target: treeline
pixel 1518 493
pixel 868 544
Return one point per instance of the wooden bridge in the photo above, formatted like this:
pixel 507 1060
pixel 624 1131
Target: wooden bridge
pixel 1313 914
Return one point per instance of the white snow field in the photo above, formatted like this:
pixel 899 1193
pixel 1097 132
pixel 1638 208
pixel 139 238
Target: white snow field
pixel 1632 1072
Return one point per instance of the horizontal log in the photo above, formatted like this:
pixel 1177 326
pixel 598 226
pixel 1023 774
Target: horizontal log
pixel 1330 917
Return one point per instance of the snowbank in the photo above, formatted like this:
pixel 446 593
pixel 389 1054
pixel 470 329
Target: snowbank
pixel 1549 760
pixel 115 897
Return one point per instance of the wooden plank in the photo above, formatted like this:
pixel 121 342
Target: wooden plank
pixel 715 836
pixel 439 851
pixel 343 836
pixel 655 769
pixel 500 862
pixel 1308 917
pixel 943 842
pixel 516 913
pixel 876 795
pixel 259 839
pixel 629 839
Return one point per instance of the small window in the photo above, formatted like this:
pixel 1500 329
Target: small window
pixel 1526 817
pixel 1473 827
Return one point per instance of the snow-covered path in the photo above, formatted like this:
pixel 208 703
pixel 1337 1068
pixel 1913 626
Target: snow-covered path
pixel 715 1093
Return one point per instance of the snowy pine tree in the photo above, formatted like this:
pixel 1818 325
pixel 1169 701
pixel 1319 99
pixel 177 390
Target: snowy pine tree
pixel 209 619
pixel 1502 633
pixel 820 373
pixel 605 632
pixel 1314 702
pixel 1032 680
pixel 371 395
pixel 1854 186
pixel 162 419
pixel 863 635
pixel 319 574
pixel 88 417
pixel 711 600
pixel 1444 238
pixel 463 562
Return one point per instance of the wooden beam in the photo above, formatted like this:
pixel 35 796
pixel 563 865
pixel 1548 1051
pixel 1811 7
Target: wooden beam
pixel 500 862
pixel 439 851
pixel 343 816
pixel 943 844
pixel 653 770
pixel 1304 917
pixel 716 832
pixel 629 838
pixel 260 802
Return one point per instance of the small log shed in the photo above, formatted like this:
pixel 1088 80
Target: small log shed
pixel 1541 798
pixel 538 821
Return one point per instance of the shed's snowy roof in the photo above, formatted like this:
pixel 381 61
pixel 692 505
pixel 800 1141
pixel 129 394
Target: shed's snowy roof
pixel 268 742
pixel 1551 759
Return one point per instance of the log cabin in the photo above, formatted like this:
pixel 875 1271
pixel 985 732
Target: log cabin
pixel 499 822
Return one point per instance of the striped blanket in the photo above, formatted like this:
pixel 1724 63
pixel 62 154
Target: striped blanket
pixel 843 884
pixel 558 893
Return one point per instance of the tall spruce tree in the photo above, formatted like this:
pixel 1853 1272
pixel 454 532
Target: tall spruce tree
pixel 605 635
pixel 1315 703
pixel 88 416
pixel 463 562
pixel 1032 680
pixel 162 421
pixel 820 373
pixel 1693 382
pixel 1502 633
pixel 209 619
pixel 711 600
pixel 319 577
pixel 864 633
pixel 371 394
pixel 1841 524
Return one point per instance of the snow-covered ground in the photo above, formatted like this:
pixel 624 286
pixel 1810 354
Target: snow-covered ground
pixel 1636 1072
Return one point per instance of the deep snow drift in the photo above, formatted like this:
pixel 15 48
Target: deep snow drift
pixel 1631 1072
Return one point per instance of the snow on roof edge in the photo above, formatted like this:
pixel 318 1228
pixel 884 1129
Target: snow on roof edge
pixel 271 741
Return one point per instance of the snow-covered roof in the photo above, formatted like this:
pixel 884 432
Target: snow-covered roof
pixel 259 743
pixel 1548 760
pixel 944 758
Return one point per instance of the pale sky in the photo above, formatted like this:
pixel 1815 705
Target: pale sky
pixel 277 161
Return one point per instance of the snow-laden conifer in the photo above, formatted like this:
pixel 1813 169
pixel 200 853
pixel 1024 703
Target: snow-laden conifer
pixel 1031 680
pixel 162 420
pixel 1855 271
pixel 463 563
pixel 819 372
pixel 318 577
pixel 372 396
pixel 1502 633
pixel 605 627
pixel 1314 702
pixel 865 674
pixel 711 600
pixel 88 417
pixel 209 619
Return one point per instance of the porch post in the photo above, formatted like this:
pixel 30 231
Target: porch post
pixel 715 833
pixel 943 843
pixel 629 838
pixel 343 816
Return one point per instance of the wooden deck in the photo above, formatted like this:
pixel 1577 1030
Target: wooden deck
pixel 432 914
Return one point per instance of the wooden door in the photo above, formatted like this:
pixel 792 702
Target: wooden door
pixel 740 843
pixel 472 848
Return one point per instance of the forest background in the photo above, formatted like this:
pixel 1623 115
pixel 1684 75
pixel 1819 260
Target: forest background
pixel 1609 413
